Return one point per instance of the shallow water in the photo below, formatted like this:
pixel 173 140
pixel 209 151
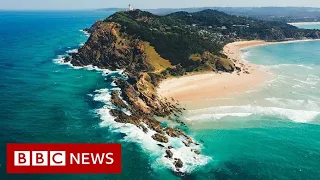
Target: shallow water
pixel 308 26
pixel 274 129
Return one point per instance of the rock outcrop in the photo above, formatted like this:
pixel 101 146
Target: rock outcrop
pixel 160 138
pixel 169 153
pixel 178 163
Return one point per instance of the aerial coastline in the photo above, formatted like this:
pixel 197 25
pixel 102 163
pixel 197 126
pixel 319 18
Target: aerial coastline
pixel 211 85
pixel 160 50
pixel 189 93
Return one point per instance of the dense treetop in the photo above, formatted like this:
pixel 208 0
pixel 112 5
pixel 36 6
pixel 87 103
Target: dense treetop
pixel 180 35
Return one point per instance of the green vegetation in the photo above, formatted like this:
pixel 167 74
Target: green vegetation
pixel 159 64
pixel 194 41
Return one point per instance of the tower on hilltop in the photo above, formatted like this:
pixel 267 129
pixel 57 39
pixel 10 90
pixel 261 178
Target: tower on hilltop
pixel 130 8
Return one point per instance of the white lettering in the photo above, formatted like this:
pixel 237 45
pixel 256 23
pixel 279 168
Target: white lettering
pixel 111 160
pixel 96 158
pixel 85 156
pixel 76 159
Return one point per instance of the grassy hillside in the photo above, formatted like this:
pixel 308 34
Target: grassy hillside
pixel 182 37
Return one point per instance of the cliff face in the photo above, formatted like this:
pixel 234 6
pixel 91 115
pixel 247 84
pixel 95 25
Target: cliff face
pixel 107 48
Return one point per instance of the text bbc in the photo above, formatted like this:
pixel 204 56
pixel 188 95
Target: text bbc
pixel 64 158
pixel 58 158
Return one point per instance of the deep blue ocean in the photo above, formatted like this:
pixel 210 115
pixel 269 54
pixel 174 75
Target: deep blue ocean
pixel 41 101
pixel 44 102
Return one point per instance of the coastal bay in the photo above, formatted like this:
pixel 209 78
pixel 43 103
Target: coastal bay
pixel 212 85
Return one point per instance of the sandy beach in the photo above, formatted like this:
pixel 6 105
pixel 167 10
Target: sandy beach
pixel 210 85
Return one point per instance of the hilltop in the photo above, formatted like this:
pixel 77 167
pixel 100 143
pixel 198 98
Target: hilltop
pixel 282 14
pixel 195 40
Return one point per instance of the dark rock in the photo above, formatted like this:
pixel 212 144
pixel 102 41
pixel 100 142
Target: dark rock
pixel 169 153
pixel 160 138
pixel 66 59
pixel 179 173
pixel 170 147
pixel 88 30
pixel 186 143
pixel 116 100
pixel 171 132
pixel 145 130
pixel 196 151
pixel 178 163
pixel 161 145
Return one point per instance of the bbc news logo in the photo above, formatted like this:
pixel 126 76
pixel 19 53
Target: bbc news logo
pixel 39 158
pixel 64 158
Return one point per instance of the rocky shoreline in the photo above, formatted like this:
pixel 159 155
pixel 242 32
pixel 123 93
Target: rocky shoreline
pixel 107 48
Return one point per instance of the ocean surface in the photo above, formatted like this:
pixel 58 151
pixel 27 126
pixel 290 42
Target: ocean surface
pixel 267 133
pixel 308 25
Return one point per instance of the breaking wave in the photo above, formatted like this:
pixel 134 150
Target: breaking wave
pixel 300 116
pixel 135 134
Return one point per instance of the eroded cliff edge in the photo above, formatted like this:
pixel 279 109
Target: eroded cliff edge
pixel 108 48
pixel 150 48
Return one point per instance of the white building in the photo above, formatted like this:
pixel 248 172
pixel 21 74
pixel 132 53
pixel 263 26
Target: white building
pixel 130 8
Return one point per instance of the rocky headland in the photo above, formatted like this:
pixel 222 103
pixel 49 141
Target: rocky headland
pixel 107 48
pixel 149 49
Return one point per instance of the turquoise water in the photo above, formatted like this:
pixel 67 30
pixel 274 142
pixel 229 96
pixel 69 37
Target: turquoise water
pixel 42 101
pixel 271 133
pixel 308 26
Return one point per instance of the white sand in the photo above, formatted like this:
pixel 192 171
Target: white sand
pixel 211 85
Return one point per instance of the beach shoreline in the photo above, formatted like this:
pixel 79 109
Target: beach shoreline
pixel 208 86
pixel 211 85
pixel 303 23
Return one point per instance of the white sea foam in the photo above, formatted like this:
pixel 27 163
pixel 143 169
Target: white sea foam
pixel 297 86
pixel 113 84
pixel 308 81
pixel 72 51
pixel 296 103
pixel 301 116
pixel 85 32
pixel 135 134
pixel 59 60
pixel 105 72
pixel 287 65
pixel 211 117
